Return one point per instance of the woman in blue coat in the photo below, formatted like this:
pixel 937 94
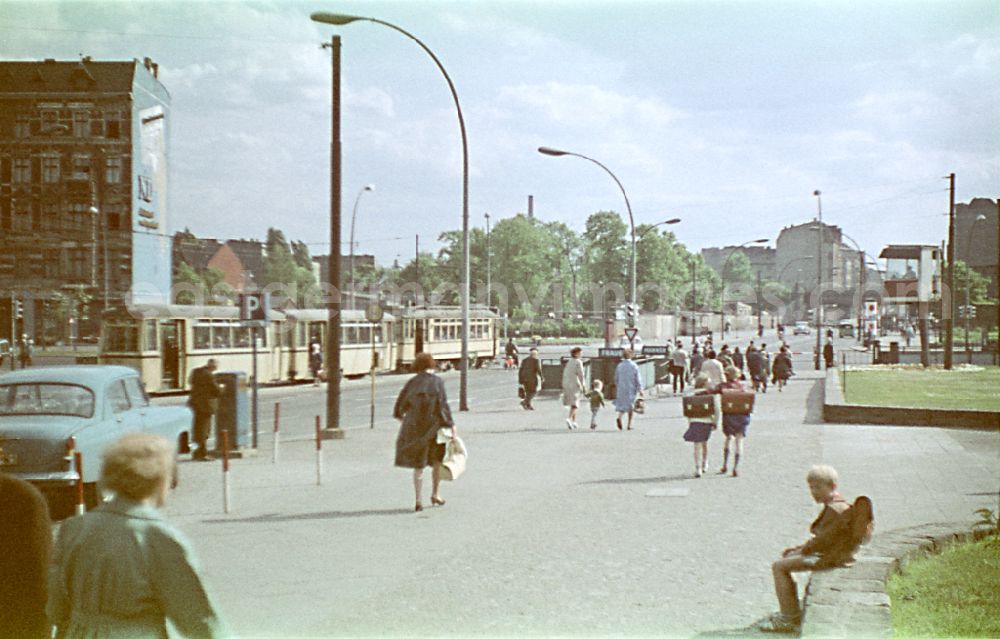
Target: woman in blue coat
pixel 628 386
pixel 122 570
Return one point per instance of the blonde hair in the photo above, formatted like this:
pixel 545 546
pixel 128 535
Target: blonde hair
pixel 627 353
pixel 597 384
pixel 701 381
pixel 732 373
pixel 137 465
pixel 822 474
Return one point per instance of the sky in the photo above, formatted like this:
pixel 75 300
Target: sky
pixel 728 115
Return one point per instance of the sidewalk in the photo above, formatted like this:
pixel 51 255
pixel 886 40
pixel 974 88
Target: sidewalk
pixel 553 532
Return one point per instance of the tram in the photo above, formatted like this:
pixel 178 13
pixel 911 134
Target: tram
pixel 165 342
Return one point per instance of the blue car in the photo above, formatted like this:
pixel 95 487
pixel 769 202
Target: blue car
pixel 47 414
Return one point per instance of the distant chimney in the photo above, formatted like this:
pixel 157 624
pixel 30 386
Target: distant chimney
pixel 531 206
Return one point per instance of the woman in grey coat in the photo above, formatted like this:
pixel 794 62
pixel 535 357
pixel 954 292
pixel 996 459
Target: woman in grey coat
pixel 122 570
pixel 422 406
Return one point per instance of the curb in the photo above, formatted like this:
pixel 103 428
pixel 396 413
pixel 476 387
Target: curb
pixel 836 411
pixel 852 601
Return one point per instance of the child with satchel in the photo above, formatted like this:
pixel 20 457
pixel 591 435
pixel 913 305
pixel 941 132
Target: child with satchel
pixel 596 398
pixel 703 409
pixel 736 410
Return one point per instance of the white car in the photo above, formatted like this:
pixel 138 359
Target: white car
pixel 801 328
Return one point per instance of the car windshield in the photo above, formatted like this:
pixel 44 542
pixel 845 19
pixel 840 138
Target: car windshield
pixel 41 398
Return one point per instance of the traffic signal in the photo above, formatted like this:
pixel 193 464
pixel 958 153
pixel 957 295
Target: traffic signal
pixel 631 313
pixel 19 309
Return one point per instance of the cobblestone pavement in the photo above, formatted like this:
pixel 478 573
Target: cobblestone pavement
pixel 551 531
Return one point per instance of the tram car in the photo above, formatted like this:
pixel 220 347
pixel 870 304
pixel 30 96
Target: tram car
pixel 165 342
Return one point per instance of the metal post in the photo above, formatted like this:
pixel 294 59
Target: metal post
pixel 371 423
pixel 996 351
pixel 948 295
pixel 13 328
pixel 334 302
pixel 819 282
pixel 253 388
pixel 489 291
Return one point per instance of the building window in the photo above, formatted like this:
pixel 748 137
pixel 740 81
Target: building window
pixel 22 126
pixel 50 169
pixel 79 216
pixel 81 166
pixel 49 121
pixel 22 170
pixel 50 216
pixel 113 170
pixel 21 222
pixel 76 264
pixel 51 263
pixel 81 124
pixel 112 124
pixel 114 218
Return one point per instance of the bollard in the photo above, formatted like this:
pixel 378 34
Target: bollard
pixel 319 453
pixel 274 451
pixel 81 505
pixel 225 472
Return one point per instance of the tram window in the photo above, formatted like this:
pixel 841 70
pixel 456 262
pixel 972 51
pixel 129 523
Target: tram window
pixel 150 343
pixel 241 337
pixel 364 334
pixel 437 331
pixel 202 337
pixel 378 334
pixel 122 338
pixel 221 337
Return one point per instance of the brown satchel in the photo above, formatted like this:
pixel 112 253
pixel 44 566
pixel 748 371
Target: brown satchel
pixel 737 402
pixel 696 406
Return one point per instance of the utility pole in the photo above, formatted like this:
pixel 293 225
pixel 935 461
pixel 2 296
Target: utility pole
pixel 335 303
pixel 996 353
pixel 488 283
pixel 819 282
pixel 948 299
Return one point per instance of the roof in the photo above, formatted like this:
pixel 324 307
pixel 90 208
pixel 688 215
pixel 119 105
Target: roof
pixel 88 374
pixel 82 76
pixel 905 251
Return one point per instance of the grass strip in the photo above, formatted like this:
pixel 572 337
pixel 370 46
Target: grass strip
pixel 965 387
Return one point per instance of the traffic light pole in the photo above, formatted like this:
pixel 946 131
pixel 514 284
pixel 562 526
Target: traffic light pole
pixel 13 326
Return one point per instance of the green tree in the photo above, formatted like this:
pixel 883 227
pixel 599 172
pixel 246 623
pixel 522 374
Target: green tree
pixel 662 269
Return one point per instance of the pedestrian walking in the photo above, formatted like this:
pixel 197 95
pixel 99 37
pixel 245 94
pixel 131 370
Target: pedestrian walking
pixel 828 353
pixel 24 563
pixel 725 357
pixel 510 352
pixel 755 366
pixel 596 398
pixel 697 357
pixel 738 361
pixel 315 362
pixel 679 366
pixel 203 402
pixel 122 570
pixel 427 425
pixel 529 376
pixel 700 428
pixel 782 368
pixel 765 359
pixel 714 369
pixel 734 427
pixel 573 385
pixel 26 350
pixel 628 388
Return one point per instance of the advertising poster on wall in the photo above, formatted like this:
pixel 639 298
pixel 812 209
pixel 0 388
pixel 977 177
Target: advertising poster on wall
pixel 151 243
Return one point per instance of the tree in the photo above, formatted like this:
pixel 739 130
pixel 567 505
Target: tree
pixel 968 281
pixel 662 269
pixel 289 277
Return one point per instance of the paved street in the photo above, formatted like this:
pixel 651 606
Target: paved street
pixel 550 532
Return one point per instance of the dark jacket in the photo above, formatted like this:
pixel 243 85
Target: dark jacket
pixel 529 374
pixel 832 539
pixel 24 561
pixel 755 364
pixel 782 366
pixel 423 407
pixel 204 391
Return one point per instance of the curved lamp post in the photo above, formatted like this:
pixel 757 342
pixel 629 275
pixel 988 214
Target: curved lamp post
pixel 354 215
pixel 649 228
pixel 339 19
pixel 544 150
pixel 722 274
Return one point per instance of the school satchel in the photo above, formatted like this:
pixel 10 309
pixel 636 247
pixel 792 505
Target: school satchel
pixel 737 403
pixel 697 406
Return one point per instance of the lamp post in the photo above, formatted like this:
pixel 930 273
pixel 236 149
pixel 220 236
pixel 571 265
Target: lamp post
pixel 968 283
pixel 488 287
pixel 819 280
pixel 649 228
pixel 544 150
pixel 338 19
pixel 722 274
pixel 354 215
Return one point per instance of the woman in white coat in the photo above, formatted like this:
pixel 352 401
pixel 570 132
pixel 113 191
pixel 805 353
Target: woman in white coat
pixel 573 385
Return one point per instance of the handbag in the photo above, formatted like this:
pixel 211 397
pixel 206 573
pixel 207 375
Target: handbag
pixel 737 402
pixel 640 405
pixel 455 455
pixel 696 406
pixel 520 391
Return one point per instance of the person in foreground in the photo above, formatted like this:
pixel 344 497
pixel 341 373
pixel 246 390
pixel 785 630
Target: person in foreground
pixel 836 534
pixel 422 406
pixel 26 532
pixel 122 570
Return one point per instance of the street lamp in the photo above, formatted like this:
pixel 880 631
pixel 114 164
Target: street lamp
pixel 354 215
pixel 819 280
pixel 339 19
pixel 488 287
pixel 649 228
pixel 725 264
pixel 544 150
pixel 968 283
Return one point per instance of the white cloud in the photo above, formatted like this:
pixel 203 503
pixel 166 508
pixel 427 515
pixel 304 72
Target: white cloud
pixel 588 105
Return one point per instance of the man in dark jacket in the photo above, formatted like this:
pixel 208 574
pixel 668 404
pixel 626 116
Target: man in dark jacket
pixel 24 563
pixel 530 377
pixel 204 393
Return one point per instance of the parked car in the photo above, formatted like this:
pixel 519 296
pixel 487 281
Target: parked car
pixel 801 328
pixel 47 414
pixel 846 328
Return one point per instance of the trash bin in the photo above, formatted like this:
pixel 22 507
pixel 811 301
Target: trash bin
pixel 893 356
pixel 233 413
